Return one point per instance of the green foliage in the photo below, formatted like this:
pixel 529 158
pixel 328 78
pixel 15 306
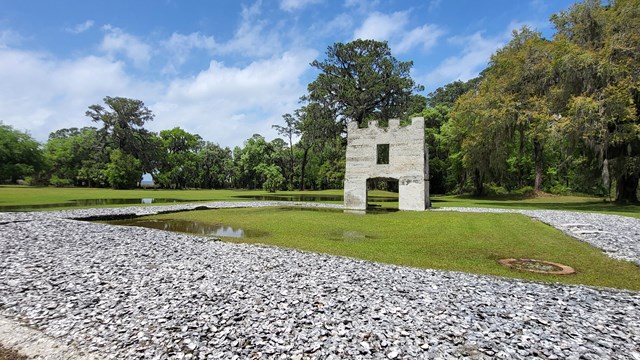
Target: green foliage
pixel 123 128
pixel 435 118
pixel 495 190
pixel 178 168
pixel 508 115
pixel 599 89
pixel 215 166
pixel 76 155
pixel 361 80
pixel 560 189
pixel 20 154
pixel 123 171
pixel 58 182
pixel 448 95
pixel 558 115
pixel 273 178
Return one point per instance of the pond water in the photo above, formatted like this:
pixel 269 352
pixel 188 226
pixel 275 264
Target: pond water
pixel 92 202
pixel 310 197
pixel 191 227
pixel 209 229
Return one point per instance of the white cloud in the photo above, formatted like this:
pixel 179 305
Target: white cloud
pixel 43 94
pixel 8 38
pixel 539 5
pixel 82 27
pixel 292 5
pixel 433 5
pixel 380 26
pixel 254 37
pixel 393 28
pixel 342 23
pixel 229 104
pixel 474 56
pixel 426 36
pixel 116 41
pixel 517 25
pixel 224 104
pixel 363 6
pixel 179 47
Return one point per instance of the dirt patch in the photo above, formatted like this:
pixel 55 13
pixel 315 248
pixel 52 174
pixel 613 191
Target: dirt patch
pixel 537 266
pixel 10 354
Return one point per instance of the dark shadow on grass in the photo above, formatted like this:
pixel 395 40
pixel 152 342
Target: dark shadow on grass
pixel 520 202
pixel 595 206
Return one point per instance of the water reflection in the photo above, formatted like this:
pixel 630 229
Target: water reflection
pixel 92 202
pixel 370 210
pixel 311 197
pixel 191 227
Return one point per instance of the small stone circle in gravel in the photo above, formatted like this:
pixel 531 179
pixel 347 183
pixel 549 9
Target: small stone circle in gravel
pixel 119 292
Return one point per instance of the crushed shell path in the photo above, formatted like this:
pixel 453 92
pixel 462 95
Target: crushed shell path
pixel 72 289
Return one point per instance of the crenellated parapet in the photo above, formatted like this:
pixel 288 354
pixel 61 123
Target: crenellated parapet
pixel 416 124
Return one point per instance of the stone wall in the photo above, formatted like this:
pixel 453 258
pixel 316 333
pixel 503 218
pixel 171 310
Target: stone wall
pixel 407 162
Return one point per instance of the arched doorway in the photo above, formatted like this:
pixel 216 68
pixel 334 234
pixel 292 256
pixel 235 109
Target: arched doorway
pixel 378 189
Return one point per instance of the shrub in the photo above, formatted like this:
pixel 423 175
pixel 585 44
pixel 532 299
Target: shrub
pixel 58 182
pixel 494 190
pixel 524 191
pixel 560 189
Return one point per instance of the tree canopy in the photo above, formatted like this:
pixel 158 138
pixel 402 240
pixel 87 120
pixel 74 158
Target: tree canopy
pixel 20 154
pixel 362 80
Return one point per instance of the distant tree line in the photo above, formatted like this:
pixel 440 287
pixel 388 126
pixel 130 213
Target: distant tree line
pixel 118 151
pixel 559 116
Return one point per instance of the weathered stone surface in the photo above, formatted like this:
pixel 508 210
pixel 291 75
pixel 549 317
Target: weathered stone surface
pixel 408 163
pixel 126 293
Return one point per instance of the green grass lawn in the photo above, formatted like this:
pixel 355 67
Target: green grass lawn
pixel 468 242
pixel 25 195
pixel 549 202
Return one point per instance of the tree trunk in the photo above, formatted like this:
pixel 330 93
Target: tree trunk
pixel 463 181
pixel 478 183
pixel 291 164
pixel 627 188
pixel 520 156
pixel 302 167
pixel 537 156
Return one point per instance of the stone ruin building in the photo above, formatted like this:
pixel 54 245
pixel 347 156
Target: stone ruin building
pixel 392 153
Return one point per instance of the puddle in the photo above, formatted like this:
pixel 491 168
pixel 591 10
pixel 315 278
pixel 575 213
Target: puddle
pixel 311 198
pixel 369 211
pixel 92 202
pixel 191 227
pixel 349 236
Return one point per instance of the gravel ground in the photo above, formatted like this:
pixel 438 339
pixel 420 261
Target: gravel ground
pixel 103 291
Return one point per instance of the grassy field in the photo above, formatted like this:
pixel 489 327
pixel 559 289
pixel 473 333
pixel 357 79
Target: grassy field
pixel 468 242
pixel 26 195
pixel 547 202
pixel 23 195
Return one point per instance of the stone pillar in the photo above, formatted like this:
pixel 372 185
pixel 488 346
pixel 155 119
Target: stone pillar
pixel 412 194
pixel 355 194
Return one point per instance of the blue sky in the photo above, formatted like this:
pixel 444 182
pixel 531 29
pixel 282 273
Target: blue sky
pixel 226 69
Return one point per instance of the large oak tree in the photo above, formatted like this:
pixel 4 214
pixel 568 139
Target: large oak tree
pixel 362 80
